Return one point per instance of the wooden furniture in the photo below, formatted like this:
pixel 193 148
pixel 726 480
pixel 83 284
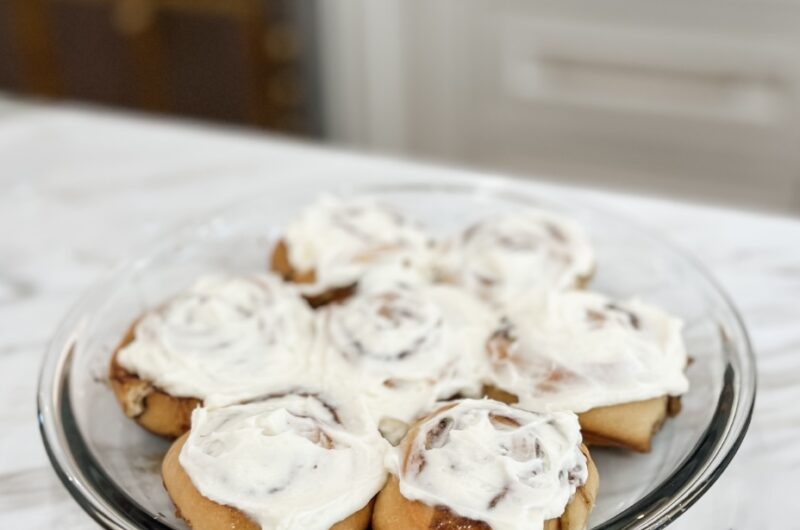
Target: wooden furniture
pixel 241 61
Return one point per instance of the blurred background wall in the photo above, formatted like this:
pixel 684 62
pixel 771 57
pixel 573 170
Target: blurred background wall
pixel 693 99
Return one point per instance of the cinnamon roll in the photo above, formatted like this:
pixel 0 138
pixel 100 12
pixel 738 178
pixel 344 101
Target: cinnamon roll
pixel 517 254
pixel 234 336
pixel 296 461
pixel 404 345
pixel 619 365
pixel 335 241
pixel 481 465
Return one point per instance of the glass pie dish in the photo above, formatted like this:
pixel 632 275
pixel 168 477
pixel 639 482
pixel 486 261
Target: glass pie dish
pixel 111 466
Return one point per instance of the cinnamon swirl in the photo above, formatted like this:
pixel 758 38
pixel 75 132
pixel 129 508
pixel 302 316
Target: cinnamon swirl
pixel 296 461
pixel 234 336
pixel 335 241
pixel 481 465
pixel 405 345
pixel 614 363
pixel 512 256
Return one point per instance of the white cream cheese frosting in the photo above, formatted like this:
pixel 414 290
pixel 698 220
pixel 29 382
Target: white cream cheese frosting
pixel 299 461
pixel 339 239
pixel 225 335
pixel 514 255
pixel 403 344
pixel 490 462
pixel 579 350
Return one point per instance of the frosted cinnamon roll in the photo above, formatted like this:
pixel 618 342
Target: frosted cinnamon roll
pixel 334 241
pixel 614 363
pixel 504 258
pixel 481 465
pixel 225 335
pixel 404 345
pixel 297 461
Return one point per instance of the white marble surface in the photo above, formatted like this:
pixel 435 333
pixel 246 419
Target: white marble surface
pixel 80 191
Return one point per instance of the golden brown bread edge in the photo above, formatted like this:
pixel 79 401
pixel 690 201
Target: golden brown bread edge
pixel 170 416
pixel 395 512
pixel 201 513
pixel 152 408
pixel 280 264
pixel 627 426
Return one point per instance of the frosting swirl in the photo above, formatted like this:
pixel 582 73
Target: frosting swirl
pixel 285 460
pixel 406 344
pixel 225 335
pixel 340 239
pixel 506 257
pixel 490 462
pixel 580 350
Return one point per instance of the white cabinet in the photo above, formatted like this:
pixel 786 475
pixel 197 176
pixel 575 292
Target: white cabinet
pixel 659 95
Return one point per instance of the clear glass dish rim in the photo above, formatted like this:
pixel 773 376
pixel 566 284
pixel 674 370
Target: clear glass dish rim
pixel 112 508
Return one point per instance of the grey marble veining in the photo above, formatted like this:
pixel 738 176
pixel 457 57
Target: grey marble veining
pixel 80 191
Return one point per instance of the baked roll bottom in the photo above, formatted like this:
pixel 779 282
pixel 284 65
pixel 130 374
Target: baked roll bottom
pixel 627 425
pixel 201 513
pixel 395 512
pixel 152 408
pixel 280 264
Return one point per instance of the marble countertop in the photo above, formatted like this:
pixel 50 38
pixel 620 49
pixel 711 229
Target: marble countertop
pixel 80 191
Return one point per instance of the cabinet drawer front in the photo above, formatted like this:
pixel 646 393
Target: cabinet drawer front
pixel 682 96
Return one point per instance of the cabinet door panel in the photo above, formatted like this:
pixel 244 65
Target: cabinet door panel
pixel 93 59
pixel 9 66
pixel 647 96
pixel 206 62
